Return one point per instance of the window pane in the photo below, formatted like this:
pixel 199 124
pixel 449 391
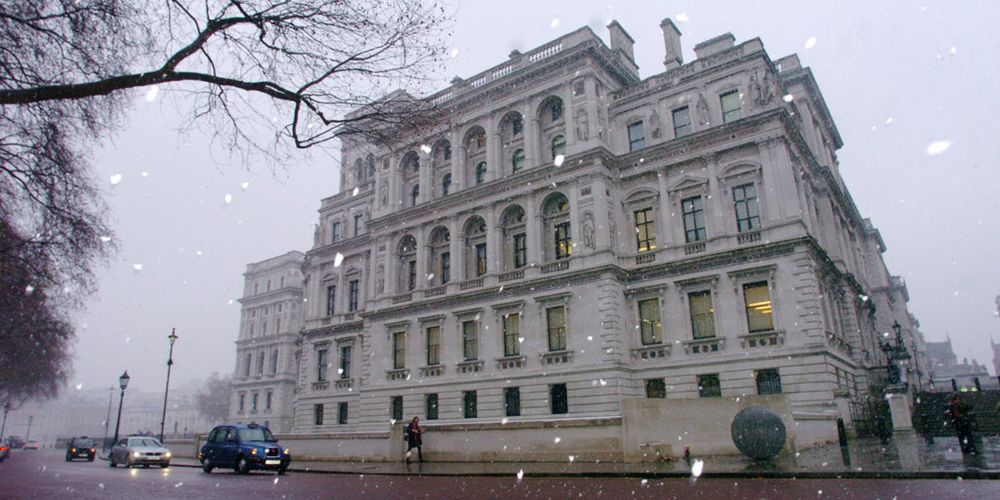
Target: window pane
pixel 636 136
pixel 558 146
pixel 470 404
pixel 517 161
pixel 432 406
pixel 318 414
pixel 480 259
pixel 341 413
pixel 682 122
pixel 769 382
pixel 649 320
pixel 694 219
pixel 445 267
pixel 331 300
pixel 708 386
pixel 563 240
pixel 512 401
pixel 470 340
pixel 321 363
pixel 558 399
pixel 758 303
pixel 397 407
pixel 520 251
pixel 556 321
pixel 352 303
pixel 731 106
pixel 702 321
pixel 481 172
pixel 656 388
pixel 345 361
pixel 745 203
pixel 645 230
pixel 399 350
pixel 511 335
pixel 433 345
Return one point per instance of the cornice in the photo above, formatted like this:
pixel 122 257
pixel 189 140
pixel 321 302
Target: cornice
pixel 345 246
pixel 343 328
pixel 264 298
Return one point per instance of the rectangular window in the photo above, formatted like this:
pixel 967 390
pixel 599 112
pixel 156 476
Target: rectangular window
pixel 445 267
pixel 274 361
pixel 708 386
pixel 694 219
pixel 745 201
pixel 512 401
pixel 645 230
pixel 269 400
pixel 260 363
pixel 352 295
pixel 558 399
pixel 411 276
pixel 470 340
pixel 636 136
pixel 431 402
pixel 336 232
pixel 469 408
pixel 564 241
pixel 731 106
pixel 649 321
pixel 345 361
pixel 397 407
pixel 656 388
pixel 768 381
pixel 399 350
pixel 702 314
pixel 247 363
pixel 359 224
pixel 511 335
pixel 520 250
pixel 331 299
pixel 758 303
pixel 433 345
pixel 480 259
pixel 555 318
pixel 342 413
pixel 318 414
pixel 243 400
pixel 321 363
pixel 682 122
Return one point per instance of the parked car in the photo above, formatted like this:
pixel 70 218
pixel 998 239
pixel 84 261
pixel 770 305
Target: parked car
pixel 4 450
pixel 140 450
pixel 81 447
pixel 243 447
pixel 31 444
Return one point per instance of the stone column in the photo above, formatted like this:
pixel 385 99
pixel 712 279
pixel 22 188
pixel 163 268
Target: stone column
pixel 602 235
pixel 533 232
pixel 716 210
pixel 492 149
pixel 421 281
pixel 425 176
pixel 457 160
pixel 455 249
pixel 666 230
pixel 492 242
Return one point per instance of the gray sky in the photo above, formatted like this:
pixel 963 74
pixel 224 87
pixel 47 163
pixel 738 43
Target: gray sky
pixel 897 76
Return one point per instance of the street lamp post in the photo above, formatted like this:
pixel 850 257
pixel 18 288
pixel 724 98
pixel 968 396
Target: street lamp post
pixel 27 435
pixel 107 419
pixel 6 409
pixel 894 353
pixel 170 362
pixel 123 383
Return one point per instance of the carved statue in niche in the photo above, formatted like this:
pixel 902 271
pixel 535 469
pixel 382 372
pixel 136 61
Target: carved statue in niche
pixel 766 89
pixel 384 195
pixel 654 124
pixel 588 230
pixel 754 87
pixel 701 108
pixel 379 280
pixel 600 122
pixel 316 236
pixel 613 229
pixel 582 125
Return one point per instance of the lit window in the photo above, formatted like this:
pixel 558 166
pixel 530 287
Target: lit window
pixel 480 259
pixel 694 219
pixel 636 136
pixel 745 201
pixel 399 350
pixel 757 298
pixel 682 122
pixel 433 345
pixel 511 335
pixel 731 106
pixel 702 314
pixel 708 386
pixel 649 321
pixel 645 230
pixel 555 318
pixel 563 240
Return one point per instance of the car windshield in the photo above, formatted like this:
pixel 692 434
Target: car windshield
pixel 259 434
pixel 151 442
pixel 83 443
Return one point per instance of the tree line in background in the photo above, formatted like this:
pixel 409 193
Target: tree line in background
pixel 262 77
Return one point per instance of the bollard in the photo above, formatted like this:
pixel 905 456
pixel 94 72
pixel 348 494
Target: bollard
pixel 954 386
pixel 979 388
pixel 841 432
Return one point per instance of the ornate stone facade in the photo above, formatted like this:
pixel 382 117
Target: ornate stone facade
pixel 569 239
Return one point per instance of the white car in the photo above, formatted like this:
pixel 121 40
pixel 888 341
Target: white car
pixel 31 445
pixel 140 450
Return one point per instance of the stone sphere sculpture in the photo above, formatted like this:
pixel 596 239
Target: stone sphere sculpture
pixel 758 433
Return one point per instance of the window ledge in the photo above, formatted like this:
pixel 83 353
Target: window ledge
pixel 692 248
pixel 470 366
pixel 510 362
pixel 344 383
pixel 432 371
pixel 651 352
pixel 705 346
pixel 320 386
pixel 399 299
pixel 398 374
pixel 559 265
pixel 748 237
pixel 769 338
pixel 838 342
pixel 473 283
pixel 645 258
pixel 556 357
pixel 512 275
pixel 436 291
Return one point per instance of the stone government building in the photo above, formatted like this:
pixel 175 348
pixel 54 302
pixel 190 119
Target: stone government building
pixel 577 261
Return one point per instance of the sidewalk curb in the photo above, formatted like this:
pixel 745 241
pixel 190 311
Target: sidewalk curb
pixel 972 474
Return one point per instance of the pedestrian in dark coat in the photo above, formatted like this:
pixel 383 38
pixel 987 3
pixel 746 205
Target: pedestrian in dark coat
pixel 414 436
pixel 962 419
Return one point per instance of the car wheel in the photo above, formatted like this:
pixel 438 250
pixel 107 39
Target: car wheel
pixel 90 459
pixel 242 466
pixel 68 458
pixel 281 471
pixel 207 466
pixel 164 466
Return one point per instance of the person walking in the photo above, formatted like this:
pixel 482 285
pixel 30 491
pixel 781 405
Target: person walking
pixel 414 436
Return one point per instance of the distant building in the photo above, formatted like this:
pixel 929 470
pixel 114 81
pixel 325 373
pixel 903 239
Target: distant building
pixel 571 251
pixel 944 367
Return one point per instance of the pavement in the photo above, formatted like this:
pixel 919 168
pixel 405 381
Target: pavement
pixel 905 456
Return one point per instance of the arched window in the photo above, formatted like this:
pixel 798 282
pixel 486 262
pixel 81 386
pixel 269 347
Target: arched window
pixel 414 193
pixel 560 242
pixel 558 146
pixel 440 256
pixel 481 172
pixel 370 162
pixel 475 247
pixel 517 161
pixel 515 247
pixel 445 184
pixel 359 171
pixel 551 111
pixel 406 252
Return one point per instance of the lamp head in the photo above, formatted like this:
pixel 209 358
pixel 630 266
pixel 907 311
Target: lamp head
pixel 123 380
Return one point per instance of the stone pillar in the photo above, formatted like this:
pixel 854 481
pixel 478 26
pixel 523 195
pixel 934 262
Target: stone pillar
pixel 716 209
pixel 394 184
pixel 899 406
pixel 575 221
pixel 457 160
pixel 532 139
pixel 425 178
pixel 492 242
pixel 421 281
pixel 666 231
pixel 602 236
pixel 492 149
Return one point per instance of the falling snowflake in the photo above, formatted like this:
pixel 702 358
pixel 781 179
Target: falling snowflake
pixel 228 198
pixel 453 53
pixel 811 42
pixel 520 475
pixel 555 22
pixel 338 259
pixel 938 147
pixel 137 267
pixel 788 98
pixel 571 458
pixel 29 289
pixel 425 148
pixel 245 184
pixel 356 191
pixel 682 17
pixel 115 179
pixel 696 468
pixel 557 440
pixel 105 239
pixel 79 387
pixel 152 93
pixel 558 161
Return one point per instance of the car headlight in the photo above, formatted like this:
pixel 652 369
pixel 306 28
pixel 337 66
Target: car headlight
pixel 136 454
pixel 72 450
pixel 167 454
pixel 287 452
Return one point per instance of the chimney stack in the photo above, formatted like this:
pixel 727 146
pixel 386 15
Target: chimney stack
pixel 672 42
pixel 621 41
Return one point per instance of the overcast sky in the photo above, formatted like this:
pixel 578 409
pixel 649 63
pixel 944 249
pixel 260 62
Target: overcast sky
pixel 897 76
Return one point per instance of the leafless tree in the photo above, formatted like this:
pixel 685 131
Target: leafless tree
pixel 263 77
pixel 213 398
